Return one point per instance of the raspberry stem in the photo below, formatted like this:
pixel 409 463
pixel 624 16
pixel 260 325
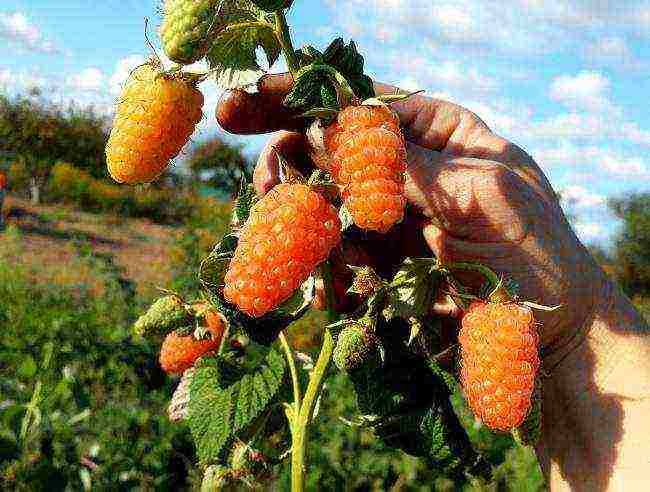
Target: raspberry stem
pixel 495 282
pixel 303 417
pixel 284 37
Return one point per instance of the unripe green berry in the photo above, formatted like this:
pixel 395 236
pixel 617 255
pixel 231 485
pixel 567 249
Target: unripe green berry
pixel 185 31
pixel 166 314
pixel 356 347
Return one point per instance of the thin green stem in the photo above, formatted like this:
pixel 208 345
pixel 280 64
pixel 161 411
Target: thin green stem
pixel 304 416
pixel 284 37
pixel 330 296
pixel 489 275
pixel 294 373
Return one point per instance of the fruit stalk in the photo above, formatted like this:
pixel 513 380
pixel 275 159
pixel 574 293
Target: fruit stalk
pixel 284 37
pixel 302 418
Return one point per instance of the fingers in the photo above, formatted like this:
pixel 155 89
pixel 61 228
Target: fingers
pixel 242 112
pixel 481 202
pixel 292 146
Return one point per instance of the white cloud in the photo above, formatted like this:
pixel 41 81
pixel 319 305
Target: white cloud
pixel 599 161
pixel 580 197
pixel 587 91
pixel 609 47
pixel 123 69
pixel 18 30
pixel 89 79
pixel 592 231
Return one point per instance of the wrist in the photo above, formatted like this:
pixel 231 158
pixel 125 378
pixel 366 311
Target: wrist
pixel 591 393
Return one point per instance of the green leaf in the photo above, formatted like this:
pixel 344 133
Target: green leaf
pixel 213 268
pixel 225 399
pixel 413 287
pixel 348 61
pixel 300 301
pixel 243 204
pixel 27 368
pixel 233 54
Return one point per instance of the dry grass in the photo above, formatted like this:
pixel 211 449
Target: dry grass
pixel 51 235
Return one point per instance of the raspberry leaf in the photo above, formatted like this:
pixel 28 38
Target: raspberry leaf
pixel 233 53
pixel 225 400
pixel 243 204
pixel 213 268
pixel 413 287
pixel 349 62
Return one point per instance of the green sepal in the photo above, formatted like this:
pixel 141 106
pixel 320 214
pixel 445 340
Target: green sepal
pixel 165 315
pixel 213 268
pixel 243 204
pixel 272 5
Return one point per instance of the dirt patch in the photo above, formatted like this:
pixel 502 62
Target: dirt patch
pixel 54 233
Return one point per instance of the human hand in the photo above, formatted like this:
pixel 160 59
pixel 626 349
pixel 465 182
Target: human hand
pixel 474 196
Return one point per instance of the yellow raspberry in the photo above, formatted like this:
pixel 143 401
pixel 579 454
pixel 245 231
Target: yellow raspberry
pixel 156 115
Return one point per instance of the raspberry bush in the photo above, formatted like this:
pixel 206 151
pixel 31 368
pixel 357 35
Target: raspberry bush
pixel 248 397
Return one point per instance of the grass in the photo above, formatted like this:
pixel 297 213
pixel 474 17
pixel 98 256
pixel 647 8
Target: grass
pixel 102 421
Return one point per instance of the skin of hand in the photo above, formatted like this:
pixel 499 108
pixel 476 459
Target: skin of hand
pixel 474 196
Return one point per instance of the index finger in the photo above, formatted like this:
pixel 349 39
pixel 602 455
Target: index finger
pixel 428 122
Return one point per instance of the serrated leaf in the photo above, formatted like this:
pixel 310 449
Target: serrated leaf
pixel 308 55
pixel 213 268
pixel 243 204
pixel 225 399
pixel 233 53
pixel 348 61
pixel 413 288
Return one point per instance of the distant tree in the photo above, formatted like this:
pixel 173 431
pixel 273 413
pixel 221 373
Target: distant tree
pixel 219 165
pixel 632 247
pixel 42 134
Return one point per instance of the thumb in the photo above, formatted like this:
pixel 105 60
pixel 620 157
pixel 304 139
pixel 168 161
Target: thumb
pixel 245 112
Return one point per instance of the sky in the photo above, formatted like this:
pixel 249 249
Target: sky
pixel 567 80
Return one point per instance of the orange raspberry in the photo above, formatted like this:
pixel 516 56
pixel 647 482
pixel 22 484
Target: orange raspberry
pixel 156 115
pixel 289 232
pixel 179 353
pixel 368 159
pixel 499 362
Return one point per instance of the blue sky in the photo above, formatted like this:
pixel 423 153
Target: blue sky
pixel 568 80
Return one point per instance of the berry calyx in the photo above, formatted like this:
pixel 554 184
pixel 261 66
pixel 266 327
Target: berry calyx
pixel 288 233
pixel 499 362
